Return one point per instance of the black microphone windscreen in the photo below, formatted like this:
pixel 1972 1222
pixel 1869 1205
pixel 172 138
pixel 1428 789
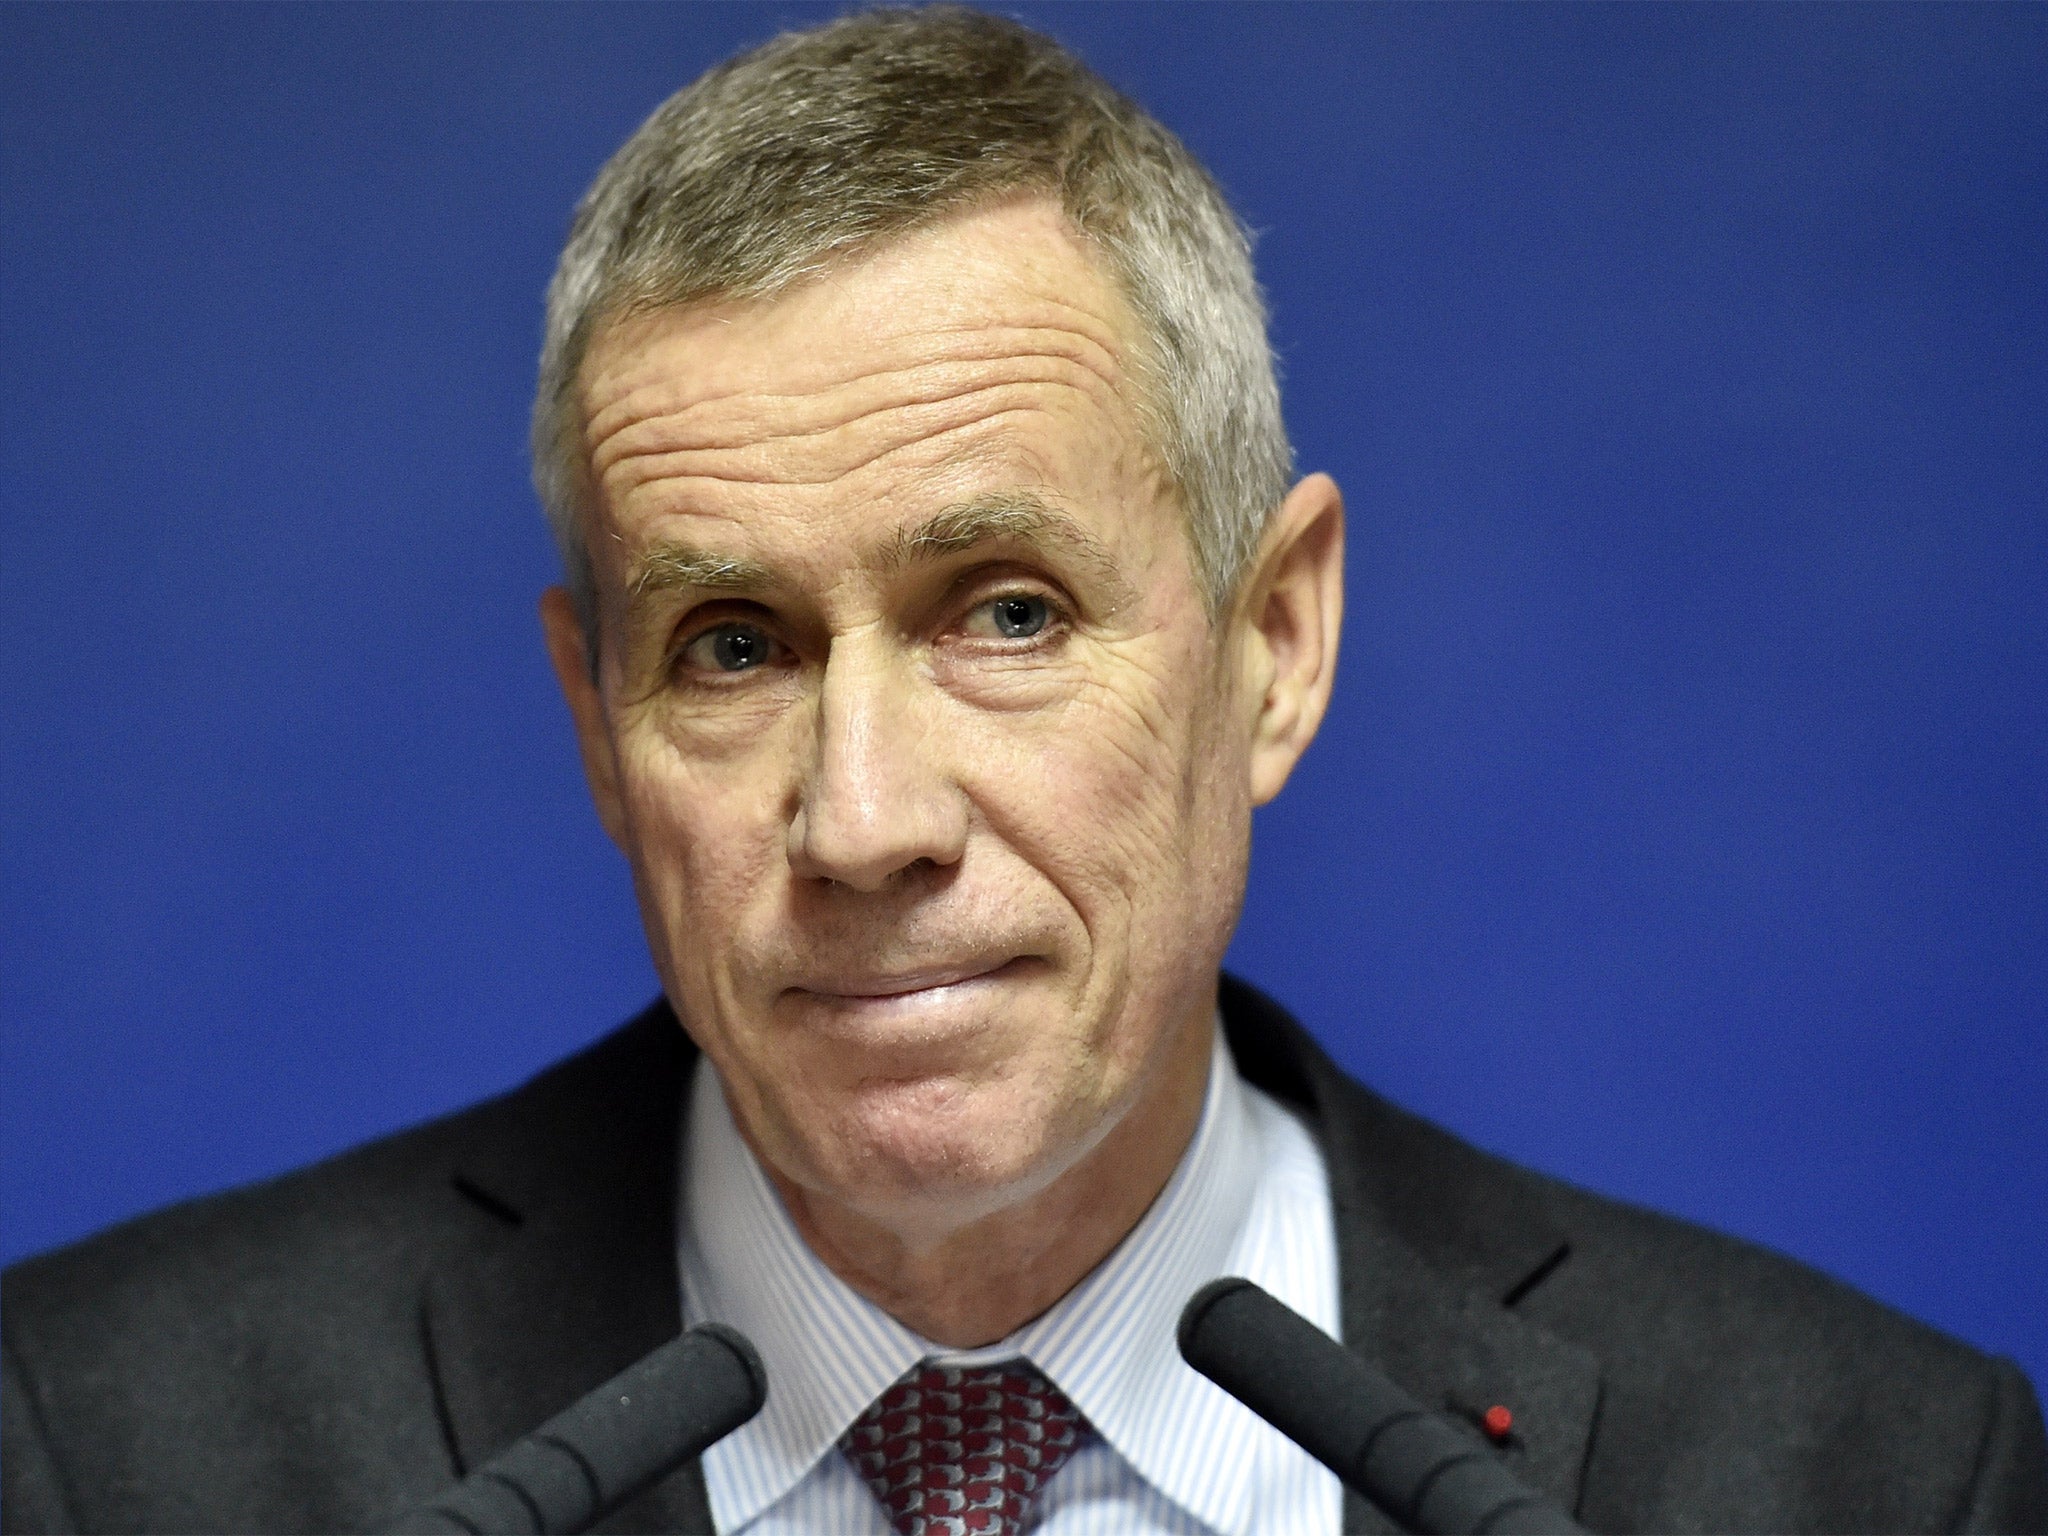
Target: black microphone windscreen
pixel 610 1445
pixel 1425 1474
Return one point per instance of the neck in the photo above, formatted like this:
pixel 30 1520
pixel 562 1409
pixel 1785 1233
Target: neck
pixel 968 1285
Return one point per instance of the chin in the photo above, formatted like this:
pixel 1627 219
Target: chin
pixel 937 1144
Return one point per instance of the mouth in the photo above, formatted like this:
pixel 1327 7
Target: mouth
pixel 904 1025
pixel 857 988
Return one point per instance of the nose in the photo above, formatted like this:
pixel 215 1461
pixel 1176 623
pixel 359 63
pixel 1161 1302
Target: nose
pixel 875 801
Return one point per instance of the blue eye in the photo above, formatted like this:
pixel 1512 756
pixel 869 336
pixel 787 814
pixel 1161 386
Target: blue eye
pixel 1019 616
pixel 730 648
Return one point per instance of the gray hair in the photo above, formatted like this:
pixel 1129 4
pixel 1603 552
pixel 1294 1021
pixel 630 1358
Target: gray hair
pixel 818 145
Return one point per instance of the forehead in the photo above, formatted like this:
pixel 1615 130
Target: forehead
pixel 984 354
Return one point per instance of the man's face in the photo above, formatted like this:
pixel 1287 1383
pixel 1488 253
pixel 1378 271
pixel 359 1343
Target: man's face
pixel 930 769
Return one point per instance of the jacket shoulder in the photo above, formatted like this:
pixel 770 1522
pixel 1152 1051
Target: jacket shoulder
pixel 1839 1411
pixel 1739 1388
pixel 363 1210
pixel 283 1318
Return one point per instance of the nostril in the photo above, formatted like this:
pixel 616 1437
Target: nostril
pixel 916 869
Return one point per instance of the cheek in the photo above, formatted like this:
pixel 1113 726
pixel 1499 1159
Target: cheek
pixel 704 834
pixel 1118 798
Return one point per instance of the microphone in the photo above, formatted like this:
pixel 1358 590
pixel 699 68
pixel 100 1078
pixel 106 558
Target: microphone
pixel 1425 1474
pixel 608 1446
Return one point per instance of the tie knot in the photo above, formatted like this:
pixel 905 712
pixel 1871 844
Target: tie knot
pixel 951 1451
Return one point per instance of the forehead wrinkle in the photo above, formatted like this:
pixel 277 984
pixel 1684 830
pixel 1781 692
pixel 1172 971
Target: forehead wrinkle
pixel 742 466
pixel 653 380
pixel 737 422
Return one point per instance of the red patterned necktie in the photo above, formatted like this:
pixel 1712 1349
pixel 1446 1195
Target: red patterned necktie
pixel 951 1452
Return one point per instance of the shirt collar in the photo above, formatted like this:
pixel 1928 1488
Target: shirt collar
pixel 1109 1343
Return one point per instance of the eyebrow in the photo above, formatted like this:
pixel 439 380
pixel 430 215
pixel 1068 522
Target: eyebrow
pixel 669 566
pixel 1003 517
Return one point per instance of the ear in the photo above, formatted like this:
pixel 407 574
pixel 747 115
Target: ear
pixel 1293 608
pixel 571 656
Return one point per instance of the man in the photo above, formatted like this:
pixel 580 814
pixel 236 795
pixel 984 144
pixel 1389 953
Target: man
pixel 938 609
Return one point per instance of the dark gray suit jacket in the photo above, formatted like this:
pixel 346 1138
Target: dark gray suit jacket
pixel 327 1350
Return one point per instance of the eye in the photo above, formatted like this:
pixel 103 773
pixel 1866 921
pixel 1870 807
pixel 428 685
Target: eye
pixel 1013 616
pixel 730 648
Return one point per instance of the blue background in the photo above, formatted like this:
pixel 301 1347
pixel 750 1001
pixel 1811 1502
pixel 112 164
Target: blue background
pixel 1680 826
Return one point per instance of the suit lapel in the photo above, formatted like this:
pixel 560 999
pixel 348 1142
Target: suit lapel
pixel 577 1279
pixel 1463 1354
pixel 1437 1243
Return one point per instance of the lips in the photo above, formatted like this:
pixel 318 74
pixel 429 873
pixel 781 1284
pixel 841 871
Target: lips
pixel 869 984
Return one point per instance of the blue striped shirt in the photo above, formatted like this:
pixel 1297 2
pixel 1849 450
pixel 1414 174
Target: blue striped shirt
pixel 1172 1453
